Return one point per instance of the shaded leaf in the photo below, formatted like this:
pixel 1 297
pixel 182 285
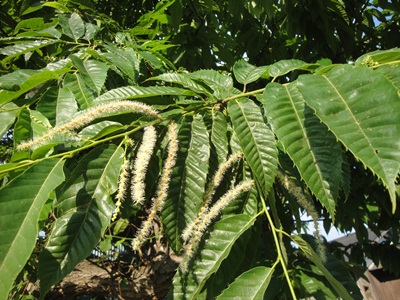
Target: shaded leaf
pixel 216 248
pixel 308 251
pixel 72 26
pixel 188 179
pixel 8 114
pixel 252 284
pixel 84 207
pixel 21 202
pixel 246 73
pixel 84 97
pixel 93 72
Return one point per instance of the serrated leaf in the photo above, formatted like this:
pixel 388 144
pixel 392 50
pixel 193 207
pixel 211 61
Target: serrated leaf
pixel 188 179
pixel 8 114
pixel 221 84
pixel 21 48
pixel 72 26
pixel 349 101
pixel 311 255
pixel 312 148
pixel 216 248
pixel 33 79
pixel 184 80
pixel 84 208
pixel 100 129
pixel 283 67
pixel 135 92
pixel 125 61
pixel 246 73
pixel 256 140
pixel 251 285
pixel 21 202
pixel 219 137
pixel 79 88
pixel 93 72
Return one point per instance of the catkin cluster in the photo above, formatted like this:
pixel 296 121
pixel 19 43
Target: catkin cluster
pixel 194 231
pixel 138 177
pixel 85 117
pixel 298 194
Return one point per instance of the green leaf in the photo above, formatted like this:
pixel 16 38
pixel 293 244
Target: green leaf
pixel 8 114
pixel 33 79
pixel 312 148
pixel 125 60
pixel 84 208
pixel 313 286
pixel 349 101
pixel 246 73
pixel 215 249
pixel 311 255
pixel 73 26
pixel 99 130
pixel 379 57
pixel 221 84
pixel 93 72
pixel 256 140
pixel 252 284
pixel 186 81
pixel 21 202
pixel 283 67
pixel 79 88
pixel 134 92
pixel 17 50
pixel 219 136
pixel 188 180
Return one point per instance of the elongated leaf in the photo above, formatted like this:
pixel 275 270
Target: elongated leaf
pixel 311 255
pixel 312 148
pixel 221 84
pixel 251 285
pixel 84 208
pixel 79 88
pixel 8 114
pixel 21 202
pixel 219 136
pixel 73 26
pixel 192 183
pixel 283 67
pixel 134 92
pixel 379 57
pixel 36 78
pixel 246 73
pixel 349 101
pixel 216 248
pixel 124 60
pixel 93 72
pixel 173 214
pixel 21 48
pixel 185 81
pixel 255 139
pixel 314 287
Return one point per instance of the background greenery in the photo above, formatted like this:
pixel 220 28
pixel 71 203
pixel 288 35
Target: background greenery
pixel 297 86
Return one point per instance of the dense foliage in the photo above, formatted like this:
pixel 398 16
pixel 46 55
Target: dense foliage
pixel 222 122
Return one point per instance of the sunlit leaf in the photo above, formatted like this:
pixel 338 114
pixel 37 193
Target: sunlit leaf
pixel 246 73
pixel 255 139
pixel 21 202
pixel 349 101
pixel 312 148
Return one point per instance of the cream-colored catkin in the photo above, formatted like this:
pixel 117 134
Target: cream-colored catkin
pixel 296 191
pixel 122 187
pixel 211 214
pixel 162 189
pixel 142 161
pixel 86 116
pixel 215 182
